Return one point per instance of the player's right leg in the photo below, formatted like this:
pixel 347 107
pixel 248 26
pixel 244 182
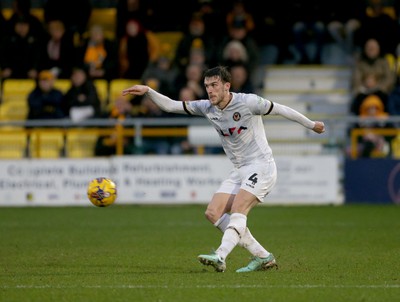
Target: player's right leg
pixel 217 213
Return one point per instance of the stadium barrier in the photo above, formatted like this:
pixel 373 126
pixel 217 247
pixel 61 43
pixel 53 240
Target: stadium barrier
pixel 285 137
pixel 60 141
pixel 150 179
pixel 55 134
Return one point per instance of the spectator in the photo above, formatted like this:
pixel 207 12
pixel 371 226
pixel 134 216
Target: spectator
pixel 181 145
pixel 45 101
pixel 372 144
pixel 308 28
pixel 239 15
pixel 238 32
pixel 371 75
pixel 165 72
pixel 393 101
pixel 377 24
pixel 271 31
pixel 235 53
pixel 187 94
pixel 148 109
pixel 212 16
pixel 240 79
pixel 106 145
pixel 193 78
pixel 134 51
pixel 21 10
pixel 197 54
pixel 20 52
pixel 132 10
pixel 344 24
pixel 58 51
pixel 99 55
pixel 82 100
pixel 194 39
pixel 74 14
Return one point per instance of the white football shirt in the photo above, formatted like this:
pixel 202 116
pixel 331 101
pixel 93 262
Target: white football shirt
pixel 239 125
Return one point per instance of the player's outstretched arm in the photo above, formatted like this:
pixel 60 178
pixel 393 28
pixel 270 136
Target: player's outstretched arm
pixel 298 117
pixel 136 90
pixel 162 101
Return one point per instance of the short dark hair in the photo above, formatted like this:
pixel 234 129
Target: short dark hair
pixel 220 71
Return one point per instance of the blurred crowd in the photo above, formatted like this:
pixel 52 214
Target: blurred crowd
pixel 246 36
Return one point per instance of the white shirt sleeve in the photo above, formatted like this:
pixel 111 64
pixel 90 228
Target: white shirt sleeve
pixel 165 103
pixel 291 114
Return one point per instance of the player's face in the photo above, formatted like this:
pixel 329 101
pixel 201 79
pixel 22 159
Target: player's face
pixel 218 92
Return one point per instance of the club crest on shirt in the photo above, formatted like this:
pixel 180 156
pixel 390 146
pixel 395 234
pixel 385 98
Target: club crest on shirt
pixel 236 116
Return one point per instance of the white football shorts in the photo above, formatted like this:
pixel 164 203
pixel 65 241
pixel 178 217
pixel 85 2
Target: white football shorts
pixel 258 179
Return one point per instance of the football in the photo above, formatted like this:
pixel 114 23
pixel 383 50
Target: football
pixel 102 192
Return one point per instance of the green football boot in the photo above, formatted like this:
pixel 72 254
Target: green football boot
pixel 213 260
pixel 259 264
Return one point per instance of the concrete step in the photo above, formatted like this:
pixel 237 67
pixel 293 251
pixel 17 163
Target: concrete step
pixel 308 70
pixel 284 97
pixel 306 83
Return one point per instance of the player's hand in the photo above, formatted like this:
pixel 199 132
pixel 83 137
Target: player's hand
pixel 319 127
pixel 136 90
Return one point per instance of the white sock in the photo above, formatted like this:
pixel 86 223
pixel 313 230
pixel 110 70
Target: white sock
pixel 247 240
pixel 252 245
pixel 223 222
pixel 232 234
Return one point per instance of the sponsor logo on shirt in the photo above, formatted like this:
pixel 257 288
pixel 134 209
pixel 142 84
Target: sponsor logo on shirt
pixel 232 131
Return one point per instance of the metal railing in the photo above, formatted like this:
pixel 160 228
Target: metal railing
pixel 338 133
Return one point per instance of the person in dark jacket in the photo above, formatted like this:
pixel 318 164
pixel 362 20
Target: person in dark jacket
pixel 45 101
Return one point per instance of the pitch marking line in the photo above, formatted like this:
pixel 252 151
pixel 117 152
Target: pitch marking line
pixel 137 286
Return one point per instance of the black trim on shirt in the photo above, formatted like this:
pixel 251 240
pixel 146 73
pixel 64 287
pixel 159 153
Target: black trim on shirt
pixel 270 108
pixel 186 110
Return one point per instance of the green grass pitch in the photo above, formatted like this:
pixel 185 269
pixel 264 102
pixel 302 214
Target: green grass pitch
pixel 149 253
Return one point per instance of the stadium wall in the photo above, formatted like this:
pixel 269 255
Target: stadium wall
pixel 160 180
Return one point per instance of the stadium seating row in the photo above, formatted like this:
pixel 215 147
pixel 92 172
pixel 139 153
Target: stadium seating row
pixel 106 18
pixel 19 143
pixel 14 94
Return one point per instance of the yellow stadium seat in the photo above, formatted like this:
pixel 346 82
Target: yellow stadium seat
pixel 169 41
pixel 80 144
pixel 37 12
pixel 7 12
pixel 63 85
pixel 17 90
pixel 116 87
pixel 17 111
pixel 13 143
pixel 106 18
pixel 396 147
pixel 46 143
pixel 15 97
pixel 102 91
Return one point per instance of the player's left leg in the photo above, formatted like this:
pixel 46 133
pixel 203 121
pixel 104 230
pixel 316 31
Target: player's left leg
pixel 220 207
pixel 243 203
pixel 218 210
pixel 261 260
pixel 247 241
